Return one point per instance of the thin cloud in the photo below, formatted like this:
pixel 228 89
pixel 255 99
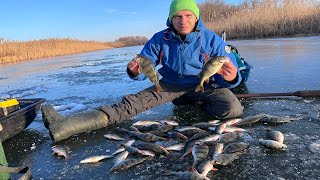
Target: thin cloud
pixel 117 12
pixel 130 13
pixel 110 11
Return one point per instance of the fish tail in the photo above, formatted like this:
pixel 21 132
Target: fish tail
pixel 199 87
pixel 159 88
pixel 192 169
pixel 186 153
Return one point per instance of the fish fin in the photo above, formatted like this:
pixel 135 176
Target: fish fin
pixel 267 129
pixel 220 71
pixel 186 153
pixel 159 88
pixel 193 169
pixel 214 169
pixel 63 155
pixel 202 89
pixel 189 168
pixel 207 80
pixel 67 148
pixel 213 162
pixel 199 87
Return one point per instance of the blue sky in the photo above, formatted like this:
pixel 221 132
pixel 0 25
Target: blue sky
pixel 100 20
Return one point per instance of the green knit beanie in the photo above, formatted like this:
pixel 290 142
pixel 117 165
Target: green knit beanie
pixel 178 5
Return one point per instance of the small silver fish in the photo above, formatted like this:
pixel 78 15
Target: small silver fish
pixel 220 128
pixel 189 130
pixel 153 147
pixel 278 119
pixel 121 149
pixel 235 147
pixel 176 135
pixel 210 138
pixel 271 144
pixel 229 137
pixel 162 130
pixel 218 148
pixel 175 147
pixel 60 151
pixel 200 135
pixel 251 119
pixel 199 152
pixel 125 164
pixel 214 121
pixel 211 67
pixel 187 149
pixel 132 150
pixel 143 128
pixel 233 129
pixel 169 122
pixel 95 159
pixel 204 125
pixel 113 137
pixel 148 69
pixel 120 157
pixel 146 123
pixel 225 159
pixel 148 137
pixel 275 135
pixel 147 153
pixel 186 175
pixel 129 143
pixel 205 167
pixel 231 122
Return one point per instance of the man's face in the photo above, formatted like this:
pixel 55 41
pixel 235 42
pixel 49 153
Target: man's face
pixel 184 22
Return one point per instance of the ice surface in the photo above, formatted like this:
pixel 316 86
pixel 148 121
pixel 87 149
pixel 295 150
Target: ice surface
pixel 78 82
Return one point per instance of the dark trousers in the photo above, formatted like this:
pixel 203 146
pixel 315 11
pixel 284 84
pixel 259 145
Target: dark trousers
pixel 221 103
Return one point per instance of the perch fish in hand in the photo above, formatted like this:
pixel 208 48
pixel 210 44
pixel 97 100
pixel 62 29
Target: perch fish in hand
pixel 211 67
pixel 148 69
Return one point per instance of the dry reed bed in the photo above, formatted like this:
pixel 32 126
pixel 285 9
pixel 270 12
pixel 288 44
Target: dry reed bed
pixel 15 51
pixel 269 19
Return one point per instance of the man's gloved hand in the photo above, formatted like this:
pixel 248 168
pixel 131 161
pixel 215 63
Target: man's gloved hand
pixel 134 68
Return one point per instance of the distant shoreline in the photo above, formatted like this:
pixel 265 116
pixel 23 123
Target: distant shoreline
pixel 288 36
pixel 104 46
pixel 15 51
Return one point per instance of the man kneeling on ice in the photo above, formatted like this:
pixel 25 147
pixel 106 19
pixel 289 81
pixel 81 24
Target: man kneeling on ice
pixel 182 49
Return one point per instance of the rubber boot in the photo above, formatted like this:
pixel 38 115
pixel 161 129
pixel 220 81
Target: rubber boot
pixel 61 127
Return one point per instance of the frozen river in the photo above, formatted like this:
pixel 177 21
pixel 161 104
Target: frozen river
pixel 78 82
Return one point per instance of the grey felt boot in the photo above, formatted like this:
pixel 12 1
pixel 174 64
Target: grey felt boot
pixel 61 127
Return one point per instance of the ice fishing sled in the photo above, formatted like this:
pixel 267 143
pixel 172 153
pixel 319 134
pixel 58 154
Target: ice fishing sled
pixel 17 114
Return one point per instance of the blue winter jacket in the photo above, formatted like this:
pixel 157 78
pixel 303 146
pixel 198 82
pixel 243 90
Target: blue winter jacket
pixel 182 60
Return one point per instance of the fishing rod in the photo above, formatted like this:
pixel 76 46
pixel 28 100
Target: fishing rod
pixel 307 93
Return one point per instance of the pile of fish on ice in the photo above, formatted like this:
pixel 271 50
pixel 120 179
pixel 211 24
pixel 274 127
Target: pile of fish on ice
pixel 210 144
